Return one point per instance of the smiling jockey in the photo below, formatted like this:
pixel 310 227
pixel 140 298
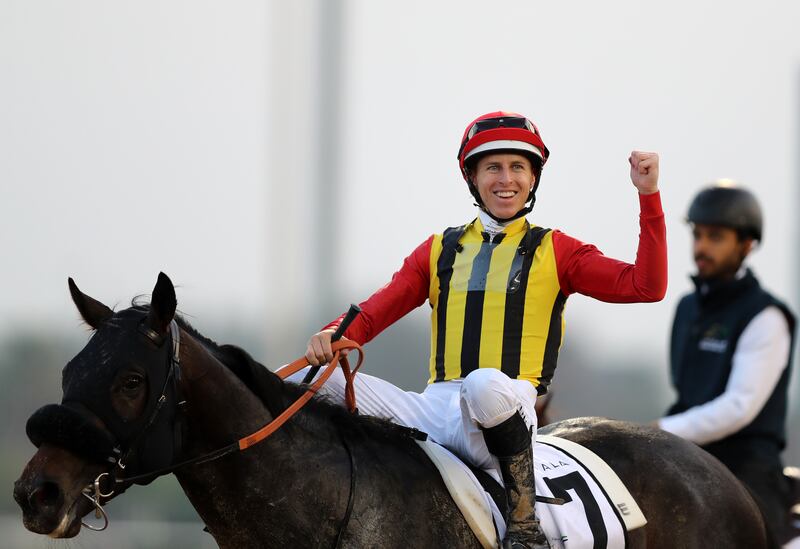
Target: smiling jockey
pixel 497 287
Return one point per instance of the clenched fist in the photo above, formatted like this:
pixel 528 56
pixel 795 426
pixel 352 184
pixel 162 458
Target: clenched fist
pixel 644 171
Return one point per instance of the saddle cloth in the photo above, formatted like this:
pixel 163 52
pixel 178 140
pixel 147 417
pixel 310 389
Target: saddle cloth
pixel 598 509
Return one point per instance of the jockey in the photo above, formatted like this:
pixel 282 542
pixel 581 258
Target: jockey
pixel 497 288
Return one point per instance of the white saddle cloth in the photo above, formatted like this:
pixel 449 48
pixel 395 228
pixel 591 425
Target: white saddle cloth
pixel 593 515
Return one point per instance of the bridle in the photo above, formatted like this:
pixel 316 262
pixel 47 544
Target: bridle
pixel 94 491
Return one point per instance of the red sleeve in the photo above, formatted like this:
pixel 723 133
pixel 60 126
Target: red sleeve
pixel 584 269
pixel 407 290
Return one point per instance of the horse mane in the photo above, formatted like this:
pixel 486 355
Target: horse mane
pixel 277 395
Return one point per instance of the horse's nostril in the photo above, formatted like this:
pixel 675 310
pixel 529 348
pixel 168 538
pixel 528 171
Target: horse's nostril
pixel 19 493
pixel 45 495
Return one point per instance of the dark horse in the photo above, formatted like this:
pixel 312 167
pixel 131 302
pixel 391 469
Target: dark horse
pixel 327 478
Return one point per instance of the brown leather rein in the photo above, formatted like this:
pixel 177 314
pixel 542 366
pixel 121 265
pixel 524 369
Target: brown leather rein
pixel 296 366
pixel 272 426
pixel 95 493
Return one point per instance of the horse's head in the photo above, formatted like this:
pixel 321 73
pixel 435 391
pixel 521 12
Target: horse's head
pixel 117 414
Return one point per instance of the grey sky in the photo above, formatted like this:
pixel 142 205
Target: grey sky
pixel 179 136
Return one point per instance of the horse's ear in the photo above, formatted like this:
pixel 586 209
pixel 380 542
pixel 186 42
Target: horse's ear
pixel 162 305
pixel 92 311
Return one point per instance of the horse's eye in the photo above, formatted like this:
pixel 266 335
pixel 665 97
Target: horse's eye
pixel 132 383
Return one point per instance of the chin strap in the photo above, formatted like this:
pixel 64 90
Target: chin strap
pixel 523 212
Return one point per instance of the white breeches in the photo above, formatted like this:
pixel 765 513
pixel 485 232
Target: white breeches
pixel 449 411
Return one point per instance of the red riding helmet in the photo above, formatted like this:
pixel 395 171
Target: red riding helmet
pixel 501 130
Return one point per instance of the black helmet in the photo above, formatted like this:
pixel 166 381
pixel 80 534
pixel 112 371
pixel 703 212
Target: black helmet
pixel 725 204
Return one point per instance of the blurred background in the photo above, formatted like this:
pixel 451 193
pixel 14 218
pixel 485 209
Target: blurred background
pixel 279 159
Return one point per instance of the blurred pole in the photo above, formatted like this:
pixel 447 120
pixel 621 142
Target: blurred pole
pixel 303 179
pixel 794 392
pixel 328 178
pixel 795 395
pixel 792 453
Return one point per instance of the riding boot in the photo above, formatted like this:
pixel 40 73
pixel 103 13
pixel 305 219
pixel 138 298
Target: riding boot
pixel 510 443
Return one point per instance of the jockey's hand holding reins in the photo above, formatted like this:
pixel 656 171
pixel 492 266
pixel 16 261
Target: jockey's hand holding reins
pixel 352 312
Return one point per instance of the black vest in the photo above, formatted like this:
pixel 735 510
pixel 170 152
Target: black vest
pixel 706 330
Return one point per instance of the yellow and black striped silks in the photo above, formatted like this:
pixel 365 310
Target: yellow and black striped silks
pixel 496 303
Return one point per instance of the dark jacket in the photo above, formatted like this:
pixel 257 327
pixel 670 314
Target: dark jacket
pixel 705 333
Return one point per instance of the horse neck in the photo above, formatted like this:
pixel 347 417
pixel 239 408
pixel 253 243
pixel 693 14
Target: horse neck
pixel 219 406
pixel 239 497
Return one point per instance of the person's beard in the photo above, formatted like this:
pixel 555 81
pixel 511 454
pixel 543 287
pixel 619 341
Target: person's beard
pixel 718 271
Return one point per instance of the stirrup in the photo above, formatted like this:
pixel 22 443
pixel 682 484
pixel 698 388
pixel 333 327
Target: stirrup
pixel 522 545
pixel 534 538
pixel 537 541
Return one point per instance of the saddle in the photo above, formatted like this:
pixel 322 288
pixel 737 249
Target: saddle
pixel 597 511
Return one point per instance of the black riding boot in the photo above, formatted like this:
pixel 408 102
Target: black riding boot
pixel 510 442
